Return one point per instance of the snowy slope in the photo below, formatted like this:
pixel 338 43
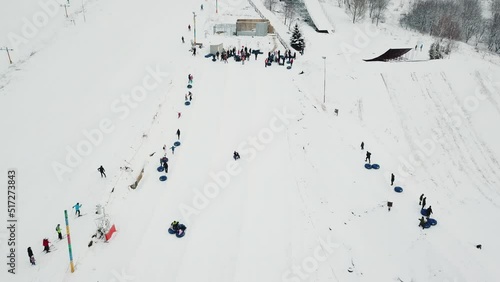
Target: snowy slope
pixel 299 205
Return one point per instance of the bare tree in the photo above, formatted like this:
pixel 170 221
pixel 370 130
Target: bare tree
pixel 270 4
pixel 481 31
pixel 471 18
pixel 357 9
pixel 493 40
pixel 371 8
pixel 380 7
pixel 289 11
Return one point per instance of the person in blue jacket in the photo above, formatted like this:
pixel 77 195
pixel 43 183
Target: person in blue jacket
pixel 77 208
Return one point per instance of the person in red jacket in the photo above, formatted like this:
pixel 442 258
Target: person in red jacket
pixel 45 244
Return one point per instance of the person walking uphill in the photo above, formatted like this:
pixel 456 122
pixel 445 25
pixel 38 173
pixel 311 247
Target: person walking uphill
pixel 77 209
pixel 59 231
pixel 392 179
pixel 362 145
pixel 45 244
pixel 421 197
pixel 424 202
pixel 178 134
pixel 102 170
pixel 368 157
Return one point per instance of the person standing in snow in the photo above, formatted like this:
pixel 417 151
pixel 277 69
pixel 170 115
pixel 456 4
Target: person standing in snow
pixel 178 134
pixel 368 157
pixel 165 166
pixel 392 179
pixel 189 27
pixel 77 208
pixel 101 170
pixel 178 114
pixel 59 231
pixel 31 256
pixel 45 244
pixel 424 202
pixel 422 222
pixel 421 197
pixel 362 145
pixel 173 149
pixel 182 38
pixel 428 212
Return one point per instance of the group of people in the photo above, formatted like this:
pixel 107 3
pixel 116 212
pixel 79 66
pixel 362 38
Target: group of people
pixel 177 227
pixel 46 245
pixel 422 201
pixel 428 211
pixel 276 56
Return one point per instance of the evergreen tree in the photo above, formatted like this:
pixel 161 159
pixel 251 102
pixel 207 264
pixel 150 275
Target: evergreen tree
pixel 297 41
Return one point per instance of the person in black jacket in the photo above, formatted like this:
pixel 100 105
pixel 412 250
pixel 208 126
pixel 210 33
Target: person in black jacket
pixel 30 255
pixel 101 170
pixel 429 212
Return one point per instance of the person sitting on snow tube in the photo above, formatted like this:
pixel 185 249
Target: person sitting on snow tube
pixel 236 155
pixel 174 225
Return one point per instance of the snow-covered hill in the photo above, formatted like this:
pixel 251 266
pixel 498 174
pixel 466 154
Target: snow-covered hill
pixel 298 205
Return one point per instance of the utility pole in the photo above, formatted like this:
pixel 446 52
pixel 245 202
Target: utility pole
pixel 8 54
pixel 65 8
pixel 194 26
pixel 324 79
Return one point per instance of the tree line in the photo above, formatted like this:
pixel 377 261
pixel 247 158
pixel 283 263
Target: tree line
pixel 462 20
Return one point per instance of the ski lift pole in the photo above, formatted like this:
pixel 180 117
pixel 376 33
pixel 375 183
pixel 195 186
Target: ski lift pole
pixel 194 27
pixel 65 8
pixel 72 266
pixel 8 54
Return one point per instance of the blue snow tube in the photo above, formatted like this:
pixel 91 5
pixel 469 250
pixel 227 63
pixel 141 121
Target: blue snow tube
pixel 163 178
pixel 289 67
pixel 160 169
pixel 177 143
pixel 423 211
pixel 187 103
pixel 171 231
pixel 181 234
pixel 398 189
pixel 190 86
pixel 375 166
pixel 432 221
pixel 427 225
pixel 368 166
